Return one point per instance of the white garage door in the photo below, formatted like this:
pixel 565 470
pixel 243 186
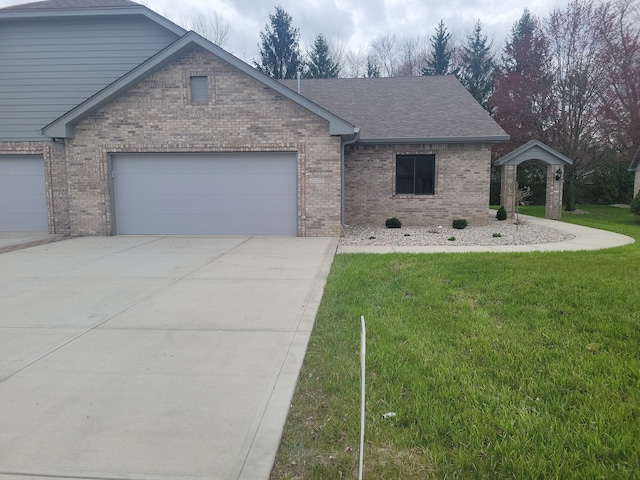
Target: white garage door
pixel 23 198
pixel 205 194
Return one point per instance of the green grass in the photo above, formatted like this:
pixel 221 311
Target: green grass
pixel 497 366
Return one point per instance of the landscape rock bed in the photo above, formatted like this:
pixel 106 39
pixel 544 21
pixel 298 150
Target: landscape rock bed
pixel 509 234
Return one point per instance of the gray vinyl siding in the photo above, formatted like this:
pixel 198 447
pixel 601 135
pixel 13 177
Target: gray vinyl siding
pixel 47 67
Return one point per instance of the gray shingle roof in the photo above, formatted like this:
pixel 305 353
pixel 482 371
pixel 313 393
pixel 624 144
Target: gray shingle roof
pixel 72 4
pixel 410 108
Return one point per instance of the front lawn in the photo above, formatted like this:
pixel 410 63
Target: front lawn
pixel 514 365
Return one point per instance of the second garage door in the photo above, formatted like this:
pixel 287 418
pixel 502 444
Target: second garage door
pixel 23 199
pixel 205 194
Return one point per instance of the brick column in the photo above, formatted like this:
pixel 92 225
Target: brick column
pixel 553 203
pixel 508 189
pixel 636 185
pixel 57 191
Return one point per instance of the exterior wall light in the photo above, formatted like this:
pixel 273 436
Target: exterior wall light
pixel 558 174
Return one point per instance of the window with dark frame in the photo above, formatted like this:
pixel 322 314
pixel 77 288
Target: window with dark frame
pixel 415 174
pixel 199 90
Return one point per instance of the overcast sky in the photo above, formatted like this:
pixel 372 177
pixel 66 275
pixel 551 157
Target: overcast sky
pixel 353 22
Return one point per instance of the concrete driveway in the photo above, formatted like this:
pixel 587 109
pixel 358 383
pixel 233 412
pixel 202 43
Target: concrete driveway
pixel 153 357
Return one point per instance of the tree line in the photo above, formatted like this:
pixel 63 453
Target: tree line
pixel 570 79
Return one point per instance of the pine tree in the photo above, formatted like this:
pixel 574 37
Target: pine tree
pixel 279 49
pixel 477 66
pixel 320 64
pixel 440 54
pixel 373 70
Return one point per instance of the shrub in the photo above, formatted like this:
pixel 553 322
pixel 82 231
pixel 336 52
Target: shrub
pixel 393 222
pixel 497 235
pixel 612 184
pixel 460 223
pixel 635 205
pixel 452 239
pixel 501 214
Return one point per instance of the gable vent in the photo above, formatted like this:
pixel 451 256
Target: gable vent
pixel 199 90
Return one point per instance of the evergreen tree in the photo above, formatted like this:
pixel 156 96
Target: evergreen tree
pixel 373 70
pixel 320 64
pixel 279 49
pixel 477 65
pixel 440 54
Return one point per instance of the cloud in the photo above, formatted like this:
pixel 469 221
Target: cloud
pixel 353 22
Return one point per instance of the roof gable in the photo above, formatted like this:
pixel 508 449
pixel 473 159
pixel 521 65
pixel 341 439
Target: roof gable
pixel 534 150
pixel 426 109
pixel 63 127
pixel 53 56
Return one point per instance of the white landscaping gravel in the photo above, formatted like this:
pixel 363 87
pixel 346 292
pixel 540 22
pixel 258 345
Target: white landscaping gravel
pixel 510 234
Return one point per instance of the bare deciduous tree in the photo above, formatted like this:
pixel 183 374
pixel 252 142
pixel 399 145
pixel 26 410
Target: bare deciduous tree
pixel 577 78
pixel 355 63
pixel 618 34
pixel 385 48
pixel 522 198
pixel 337 52
pixel 413 56
pixel 213 27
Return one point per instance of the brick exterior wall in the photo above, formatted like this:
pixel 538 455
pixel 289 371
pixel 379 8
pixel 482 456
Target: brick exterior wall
pixel 55 178
pixel 636 184
pixel 461 185
pixel 242 116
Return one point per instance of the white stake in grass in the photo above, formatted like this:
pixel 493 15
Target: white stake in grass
pixel 363 351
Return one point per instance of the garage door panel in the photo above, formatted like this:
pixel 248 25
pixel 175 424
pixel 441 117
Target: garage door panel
pixel 211 205
pixel 221 184
pixel 205 194
pixel 227 163
pixel 23 185
pixel 23 200
pixel 223 225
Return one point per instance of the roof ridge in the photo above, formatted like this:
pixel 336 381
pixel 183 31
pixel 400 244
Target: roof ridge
pixel 73 5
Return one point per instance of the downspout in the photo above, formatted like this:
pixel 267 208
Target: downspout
pixel 352 140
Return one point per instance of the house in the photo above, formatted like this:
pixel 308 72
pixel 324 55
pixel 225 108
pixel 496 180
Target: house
pixel 116 121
